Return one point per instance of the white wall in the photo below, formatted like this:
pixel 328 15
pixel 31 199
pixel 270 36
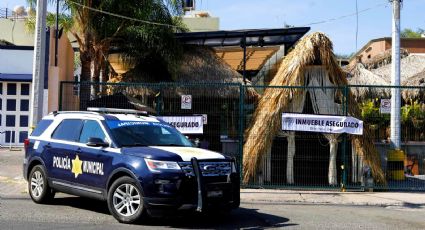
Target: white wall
pixel 16 61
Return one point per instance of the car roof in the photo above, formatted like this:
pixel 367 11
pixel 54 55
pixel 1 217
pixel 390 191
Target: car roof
pixel 100 116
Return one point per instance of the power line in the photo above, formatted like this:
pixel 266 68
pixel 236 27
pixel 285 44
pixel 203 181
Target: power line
pixel 125 17
pixel 346 16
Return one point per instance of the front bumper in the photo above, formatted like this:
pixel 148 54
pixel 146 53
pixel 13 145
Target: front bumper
pixel 215 193
pixel 194 192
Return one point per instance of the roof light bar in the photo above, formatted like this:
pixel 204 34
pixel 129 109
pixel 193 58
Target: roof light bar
pixel 114 110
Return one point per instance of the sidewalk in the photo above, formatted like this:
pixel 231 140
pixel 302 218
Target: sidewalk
pixel 400 199
pixel 12 184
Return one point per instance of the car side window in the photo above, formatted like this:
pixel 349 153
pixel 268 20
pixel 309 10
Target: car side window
pixel 68 130
pixel 41 127
pixel 91 129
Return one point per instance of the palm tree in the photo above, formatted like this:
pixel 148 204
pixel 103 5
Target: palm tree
pixel 95 31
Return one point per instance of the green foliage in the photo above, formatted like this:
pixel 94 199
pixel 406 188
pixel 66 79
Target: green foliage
pixel 406 113
pixel 370 113
pixel 418 110
pixel 97 33
pixel 409 33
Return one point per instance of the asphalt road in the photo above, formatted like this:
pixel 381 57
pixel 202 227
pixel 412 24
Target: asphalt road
pixel 70 212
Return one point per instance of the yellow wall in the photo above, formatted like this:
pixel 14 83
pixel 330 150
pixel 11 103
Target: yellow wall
pixel 198 24
pixel 14 31
pixel 63 72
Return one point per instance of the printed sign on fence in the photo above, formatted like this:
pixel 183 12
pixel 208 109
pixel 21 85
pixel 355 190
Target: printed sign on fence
pixel 186 102
pixel 321 123
pixel 186 124
pixel 385 106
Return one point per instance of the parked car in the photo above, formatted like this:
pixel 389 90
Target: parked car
pixel 137 163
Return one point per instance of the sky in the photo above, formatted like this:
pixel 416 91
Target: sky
pixel 374 22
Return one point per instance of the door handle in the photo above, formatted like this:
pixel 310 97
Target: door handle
pixel 78 150
pixel 48 146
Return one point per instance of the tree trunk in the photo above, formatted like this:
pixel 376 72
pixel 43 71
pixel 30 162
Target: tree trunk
pixel 290 160
pixel 102 78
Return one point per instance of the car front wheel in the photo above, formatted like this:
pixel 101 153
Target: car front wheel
pixel 38 186
pixel 125 200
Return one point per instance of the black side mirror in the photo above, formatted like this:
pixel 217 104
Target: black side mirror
pixel 97 142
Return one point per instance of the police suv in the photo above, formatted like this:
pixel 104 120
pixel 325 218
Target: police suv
pixel 139 164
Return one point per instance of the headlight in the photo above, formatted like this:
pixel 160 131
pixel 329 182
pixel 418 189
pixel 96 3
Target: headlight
pixel 155 165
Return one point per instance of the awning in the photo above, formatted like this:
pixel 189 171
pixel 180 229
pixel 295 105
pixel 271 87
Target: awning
pixel 15 77
pixel 245 50
pixel 255 56
pixel 257 37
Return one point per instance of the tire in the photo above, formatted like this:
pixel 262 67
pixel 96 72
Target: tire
pixel 38 186
pixel 125 200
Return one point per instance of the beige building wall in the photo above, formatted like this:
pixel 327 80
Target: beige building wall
pixel 14 32
pixel 198 21
pixel 63 72
pixel 372 50
pixel 380 45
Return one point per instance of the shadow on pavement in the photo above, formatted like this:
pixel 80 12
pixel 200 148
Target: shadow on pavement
pixel 239 218
pixel 83 203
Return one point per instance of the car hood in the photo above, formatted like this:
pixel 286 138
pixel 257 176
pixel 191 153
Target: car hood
pixel 172 153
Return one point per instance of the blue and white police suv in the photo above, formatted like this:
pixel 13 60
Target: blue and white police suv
pixel 139 164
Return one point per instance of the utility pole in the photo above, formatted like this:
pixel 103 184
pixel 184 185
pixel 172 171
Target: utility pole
pixel 57 33
pixel 36 110
pixel 395 77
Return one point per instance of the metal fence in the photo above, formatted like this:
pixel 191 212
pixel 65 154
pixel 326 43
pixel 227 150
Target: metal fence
pixel 218 103
pixel 229 110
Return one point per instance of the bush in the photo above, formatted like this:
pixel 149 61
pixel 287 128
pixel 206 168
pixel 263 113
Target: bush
pixel 370 113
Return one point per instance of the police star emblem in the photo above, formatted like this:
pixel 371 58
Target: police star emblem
pixel 76 166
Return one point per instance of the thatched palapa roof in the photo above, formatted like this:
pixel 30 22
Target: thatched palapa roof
pixel 359 75
pixel 378 72
pixel 201 68
pixel 417 80
pixel 314 49
pixel 201 65
pixel 383 59
pixel 409 66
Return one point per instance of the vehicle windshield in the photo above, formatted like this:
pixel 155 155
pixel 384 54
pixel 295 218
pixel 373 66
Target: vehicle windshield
pixel 140 133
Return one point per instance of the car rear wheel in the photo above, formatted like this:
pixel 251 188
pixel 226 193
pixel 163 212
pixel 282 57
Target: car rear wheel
pixel 38 186
pixel 125 200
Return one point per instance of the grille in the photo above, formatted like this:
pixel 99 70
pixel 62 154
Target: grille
pixel 208 168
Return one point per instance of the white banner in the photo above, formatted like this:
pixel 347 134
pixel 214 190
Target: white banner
pixel 186 124
pixel 321 123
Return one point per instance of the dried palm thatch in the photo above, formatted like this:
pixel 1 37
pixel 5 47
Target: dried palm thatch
pixel 201 65
pixel 415 93
pixel 314 49
pixel 130 87
pixel 409 66
pixel 383 59
pixel 359 75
